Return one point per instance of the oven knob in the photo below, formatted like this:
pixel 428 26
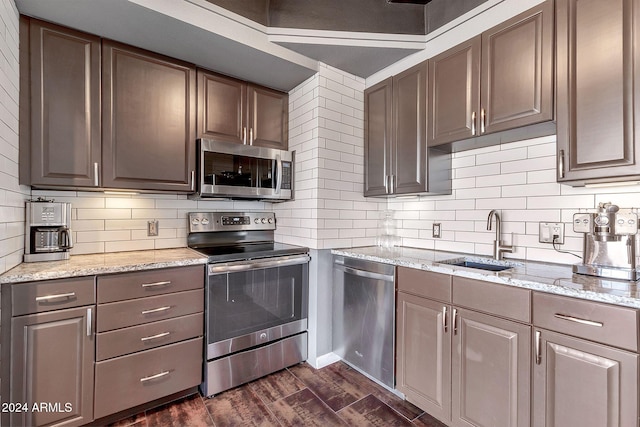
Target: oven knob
pixel 195 221
pixel 257 220
pixel 263 336
pixel 270 220
pixel 204 221
pixel 263 220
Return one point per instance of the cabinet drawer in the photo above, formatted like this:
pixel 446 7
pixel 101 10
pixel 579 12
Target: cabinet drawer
pixel 141 284
pixel 604 323
pixel 122 314
pixel 128 381
pixel 492 298
pixel 150 335
pixel 424 283
pixel 36 297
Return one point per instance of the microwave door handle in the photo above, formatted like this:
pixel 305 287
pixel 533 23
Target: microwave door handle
pixel 278 173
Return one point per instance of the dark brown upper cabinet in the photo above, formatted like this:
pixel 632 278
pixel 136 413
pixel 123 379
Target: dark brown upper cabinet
pixel 60 105
pixel 497 81
pixel 598 77
pixel 236 111
pixel 396 157
pixel 149 116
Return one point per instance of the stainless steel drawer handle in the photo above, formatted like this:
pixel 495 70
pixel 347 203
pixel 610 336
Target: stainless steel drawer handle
pixel 56 296
pixel 153 285
pixel 155 337
pixel 155 377
pixel 578 320
pixel 157 310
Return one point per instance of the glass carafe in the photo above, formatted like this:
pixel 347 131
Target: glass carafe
pixel 387 237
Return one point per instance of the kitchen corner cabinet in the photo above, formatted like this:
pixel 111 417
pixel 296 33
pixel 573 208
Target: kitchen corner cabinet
pixel 497 81
pixel 598 58
pixel 52 353
pixel 149 116
pixel 62 68
pixel 236 111
pixel 396 157
pixel 585 370
pixel 463 366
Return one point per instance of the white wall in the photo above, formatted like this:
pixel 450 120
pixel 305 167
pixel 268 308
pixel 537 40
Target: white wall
pixel 12 195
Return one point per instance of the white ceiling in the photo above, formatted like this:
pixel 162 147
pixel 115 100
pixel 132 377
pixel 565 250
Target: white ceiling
pixel 211 37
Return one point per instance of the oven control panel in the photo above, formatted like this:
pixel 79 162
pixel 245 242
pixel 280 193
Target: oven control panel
pixel 231 221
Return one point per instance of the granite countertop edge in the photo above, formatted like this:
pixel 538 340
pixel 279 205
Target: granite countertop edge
pixel 98 264
pixel 537 276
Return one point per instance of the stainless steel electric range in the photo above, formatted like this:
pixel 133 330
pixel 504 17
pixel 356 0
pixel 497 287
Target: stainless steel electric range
pixel 256 297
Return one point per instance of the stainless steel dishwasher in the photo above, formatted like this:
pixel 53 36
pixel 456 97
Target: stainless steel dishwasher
pixel 364 316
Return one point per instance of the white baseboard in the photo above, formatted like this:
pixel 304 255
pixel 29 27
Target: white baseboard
pixel 324 360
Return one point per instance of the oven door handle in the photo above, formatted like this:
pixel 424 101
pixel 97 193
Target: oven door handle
pixel 257 264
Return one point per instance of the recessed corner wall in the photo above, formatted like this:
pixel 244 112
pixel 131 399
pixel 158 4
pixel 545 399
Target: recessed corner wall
pixel 12 195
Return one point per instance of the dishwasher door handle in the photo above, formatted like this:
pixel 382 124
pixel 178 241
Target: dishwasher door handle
pixel 363 273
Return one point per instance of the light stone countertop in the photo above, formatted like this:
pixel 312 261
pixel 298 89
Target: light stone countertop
pixel 116 262
pixel 544 277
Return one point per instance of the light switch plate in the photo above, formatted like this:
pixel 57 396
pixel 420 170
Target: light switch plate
pixel 152 228
pixel 550 229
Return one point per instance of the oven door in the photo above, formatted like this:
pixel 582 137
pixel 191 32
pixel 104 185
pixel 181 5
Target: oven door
pixel 254 302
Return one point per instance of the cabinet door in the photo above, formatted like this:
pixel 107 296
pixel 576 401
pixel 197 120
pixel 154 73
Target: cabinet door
pixel 454 93
pixel 598 89
pixel 377 138
pixel 52 356
pixel 410 128
pixel 149 104
pixel 490 371
pixel 268 118
pixel 221 108
pixel 423 346
pixel 65 105
pixel 578 383
pixel 517 67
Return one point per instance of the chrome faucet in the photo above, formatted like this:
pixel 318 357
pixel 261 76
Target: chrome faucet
pixel 498 247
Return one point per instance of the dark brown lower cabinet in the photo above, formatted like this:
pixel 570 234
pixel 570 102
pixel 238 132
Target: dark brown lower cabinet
pixel 52 368
pixel 577 383
pixel 423 343
pixel 490 375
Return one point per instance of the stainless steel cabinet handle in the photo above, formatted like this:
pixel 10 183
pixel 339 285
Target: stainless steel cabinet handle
pixel 56 296
pixel 155 337
pixel 153 285
pixel 455 321
pixel 193 181
pixel 89 322
pixel 251 136
pixel 244 135
pixel 444 319
pixel 156 310
pixel 393 183
pixel 96 171
pixel 155 377
pixel 473 123
pixel 578 320
pixel 538 348
pixel 561 164
pixel 386 184
pixel 483 118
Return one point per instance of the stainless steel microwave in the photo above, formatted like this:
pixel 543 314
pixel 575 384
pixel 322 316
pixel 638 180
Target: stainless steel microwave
pixel 236 171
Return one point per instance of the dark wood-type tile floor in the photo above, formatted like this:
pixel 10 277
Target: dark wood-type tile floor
pixel 336 395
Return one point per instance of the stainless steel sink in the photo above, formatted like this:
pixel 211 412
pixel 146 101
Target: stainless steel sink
pixel 481 263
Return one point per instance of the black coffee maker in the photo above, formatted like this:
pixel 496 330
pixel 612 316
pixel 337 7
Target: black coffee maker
pixel 47 234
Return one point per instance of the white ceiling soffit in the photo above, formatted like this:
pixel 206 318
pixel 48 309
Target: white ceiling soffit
pixel 190 30
pixel 361 54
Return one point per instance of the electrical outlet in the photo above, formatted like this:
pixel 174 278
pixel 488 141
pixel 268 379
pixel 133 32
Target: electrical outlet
pixel 437 230
pixel 550 229
pixel 152 228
